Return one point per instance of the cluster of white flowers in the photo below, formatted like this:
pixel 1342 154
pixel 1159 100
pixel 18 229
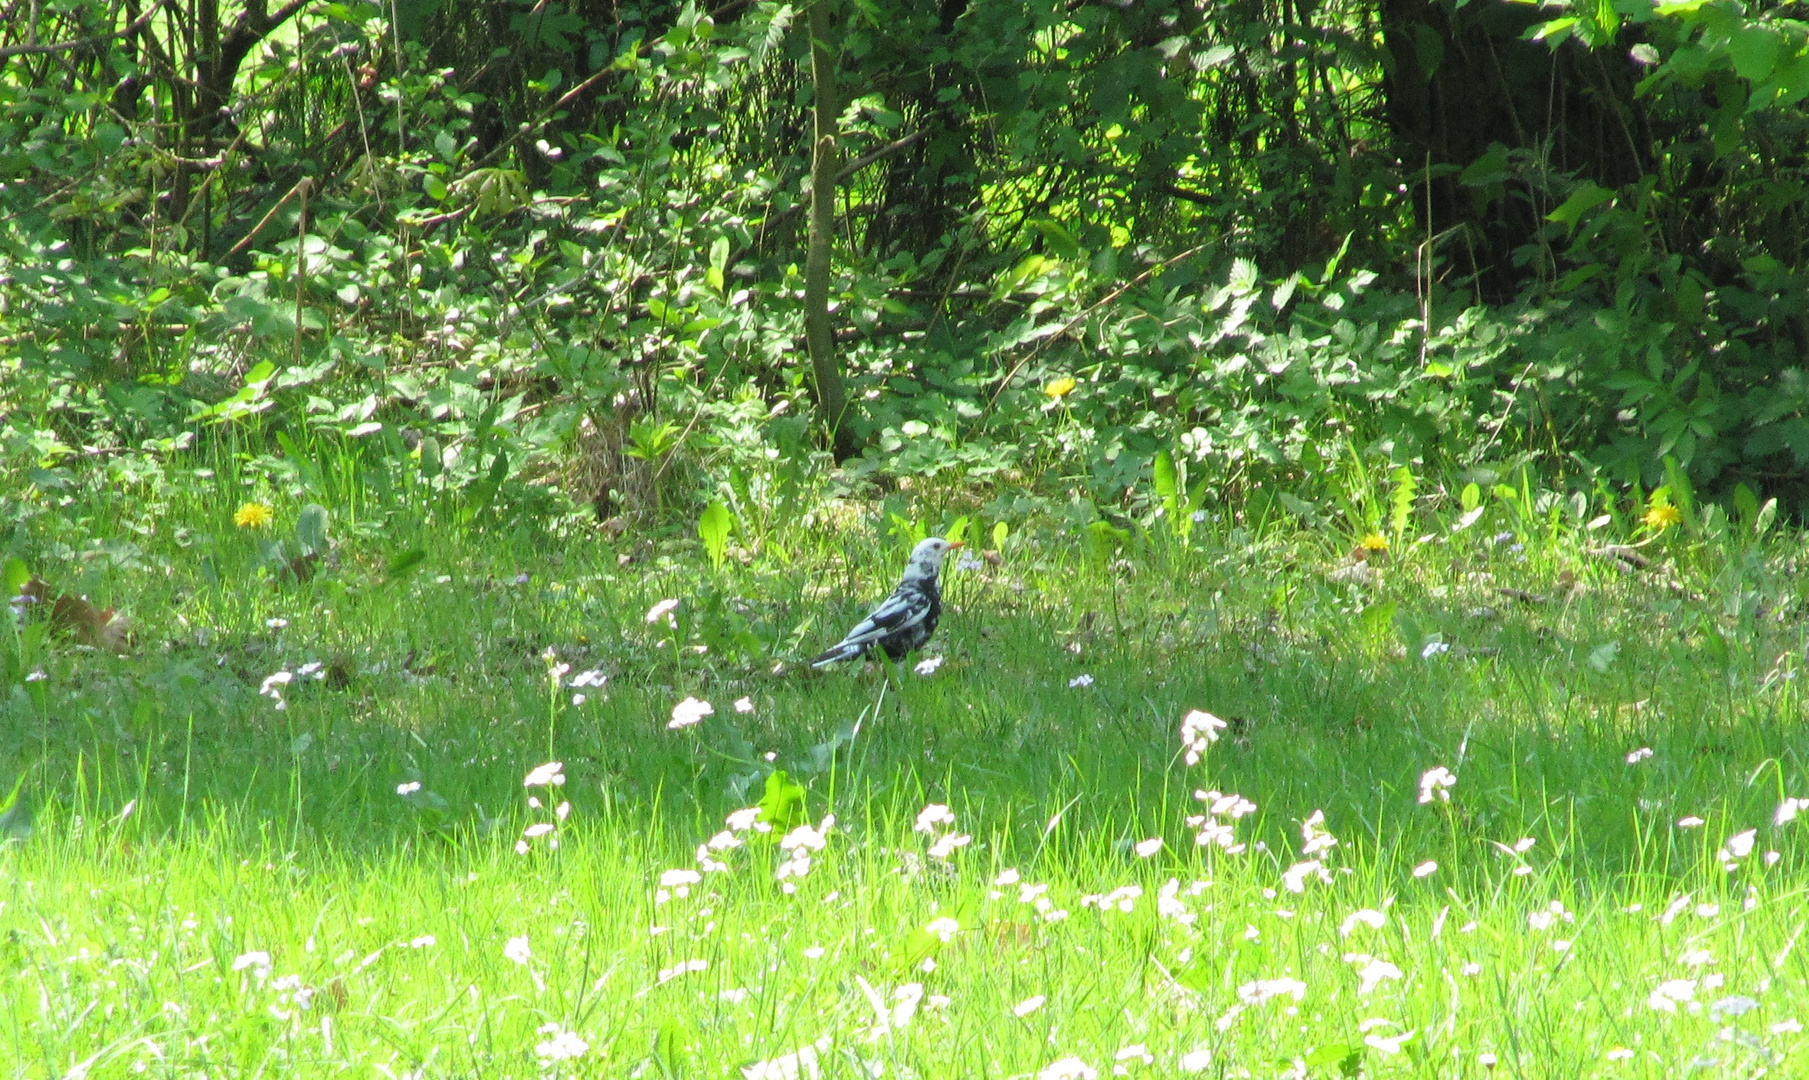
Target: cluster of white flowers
pixel 1315 838
pixel 690 711
pixel 1436 784
pixel 1261 990
pixel 1199 730
pixel 798 845
pixel 549 775
pixel 1123 898
pixel 1033 894
pixel 1216 828
pixel 1735 850
pixel 938 821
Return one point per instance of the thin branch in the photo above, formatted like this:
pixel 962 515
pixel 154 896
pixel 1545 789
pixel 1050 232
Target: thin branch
pixel 1076 320
pixel 871 156
pixel 81 43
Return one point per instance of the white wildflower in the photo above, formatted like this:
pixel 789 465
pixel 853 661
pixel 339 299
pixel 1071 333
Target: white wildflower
pixel 663 610
pixel 1639 755
pixel 1028 1005
pixel 1425 869
pixel 1199 730
pixel 1369 917
pixel 1669 994
pixel 1261 990
pixel 1079 681
pixel 677 970
pixel 1436 783
pixel 516 949
pixel 1147 848
pixel 946 844
pixel 563 1046
pixel 801 1065
pixel 1373 973
pixel 1295 877
pixel 933 817
pixel 744 705
pixel 553 772
pixel 1068 1068
pixel 409 788
pixel 1315 836
pixel 928 665
pixel 690 711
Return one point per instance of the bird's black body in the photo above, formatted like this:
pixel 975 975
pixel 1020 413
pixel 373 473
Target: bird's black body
pixel 904 621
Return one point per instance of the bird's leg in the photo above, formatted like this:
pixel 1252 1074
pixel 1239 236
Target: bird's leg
pixel 893 667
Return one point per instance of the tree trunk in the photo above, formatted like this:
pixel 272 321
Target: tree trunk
pixel 832 397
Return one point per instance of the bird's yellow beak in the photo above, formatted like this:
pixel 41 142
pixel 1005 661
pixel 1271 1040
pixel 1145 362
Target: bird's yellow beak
pixel 957 543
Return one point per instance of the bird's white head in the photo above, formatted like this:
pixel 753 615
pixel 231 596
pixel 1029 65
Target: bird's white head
pixel 926 558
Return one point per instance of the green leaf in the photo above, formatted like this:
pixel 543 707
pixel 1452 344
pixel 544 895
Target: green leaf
pixel 1601 658
pixel 1471 497
pixel 1375 621
pixel 958 531
pixel 15 813
pixel 1406 488
pixel 1746 504
pixel 431 462
pixel 1060 240
pixel 1581 201
pixel 782 804
pixel 1347 1059
pixel 311 529
pixel 1162 476
pixel 1297 506
pixel 1490 168
pixel 400 565
pixel 1000 531
pixel 1754 50
pixel 1767 514
pixel 14 574
pixel 714 527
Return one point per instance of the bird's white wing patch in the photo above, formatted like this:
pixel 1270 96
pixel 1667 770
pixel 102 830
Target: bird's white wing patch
pixel 896 612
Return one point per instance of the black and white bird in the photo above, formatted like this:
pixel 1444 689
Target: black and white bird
pixel 904 621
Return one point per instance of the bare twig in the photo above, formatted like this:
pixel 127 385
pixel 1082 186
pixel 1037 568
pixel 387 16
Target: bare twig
pixel 245 241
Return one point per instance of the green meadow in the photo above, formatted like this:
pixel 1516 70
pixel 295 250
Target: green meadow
pixel 1503 798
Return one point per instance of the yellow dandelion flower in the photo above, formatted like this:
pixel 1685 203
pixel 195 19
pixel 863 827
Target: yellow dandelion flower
pixel 1662 516
pixel 1060 388
pixel 253 515
pixel 1374 542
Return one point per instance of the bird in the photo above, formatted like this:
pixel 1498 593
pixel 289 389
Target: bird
pixel 904 621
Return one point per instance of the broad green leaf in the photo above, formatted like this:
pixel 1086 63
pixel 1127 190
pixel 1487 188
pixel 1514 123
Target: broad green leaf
pixel 1163 477
pixel 782 804
pixel 1581 201
pixel 1754 50
pixel 14 574
pixel 311 529
pixel 714 527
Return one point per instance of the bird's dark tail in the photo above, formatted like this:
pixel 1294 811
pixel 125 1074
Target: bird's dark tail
pixel 840 652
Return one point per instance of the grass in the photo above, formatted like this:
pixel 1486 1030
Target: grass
pixel 213 885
